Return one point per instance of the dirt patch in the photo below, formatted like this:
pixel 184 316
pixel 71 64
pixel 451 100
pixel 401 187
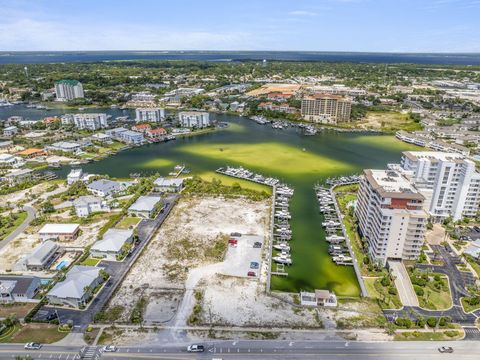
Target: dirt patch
pixel 193 235
pixel 19 310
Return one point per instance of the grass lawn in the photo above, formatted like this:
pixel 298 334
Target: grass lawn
pixel 42 333
pixel 4 232
pixel 279 154
pixel 377 291
pixel 428 336
pixel 229 181
pixel 435 299
pixel 474 265
pixel 390 121
pixel 128 221
pixel 467 307
pixel 19 310
pixel 90 262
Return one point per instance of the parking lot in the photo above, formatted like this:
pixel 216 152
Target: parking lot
pixel 240 256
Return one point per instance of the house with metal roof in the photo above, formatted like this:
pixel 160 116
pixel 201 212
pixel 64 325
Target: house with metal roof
pixel 145 206
pixel 18 288
pixel 85 205
pixel 105 187
pixel 168 185
pixel 61 232
pixel 41 257
pixel 111 244
pixel 77 288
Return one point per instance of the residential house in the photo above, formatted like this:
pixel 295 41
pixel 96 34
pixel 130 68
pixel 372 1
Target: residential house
pixel 156 134
pixel 19 176
pixel 105 187
pixel 61 232
pixel 101 137
pixel 7 160
pixel 41 257
pixel 31 153
pixel 145 206
pixel 77 288
pixel 168 185
pixel 141 128
pixel 65 146
pixel 18 288
pixel 85 205
pixel 318 298
pixel 10 131
pixel 111 243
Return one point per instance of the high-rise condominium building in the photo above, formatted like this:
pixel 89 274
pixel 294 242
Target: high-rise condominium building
pixel 196 119
pixel 149 115
pixel 324 108
pixel 90 121
pixel 449 182
pixel 390 215
pixel 68 90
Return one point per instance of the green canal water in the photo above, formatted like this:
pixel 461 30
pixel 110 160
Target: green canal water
pixel 298 160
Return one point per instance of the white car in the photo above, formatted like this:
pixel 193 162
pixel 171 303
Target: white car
pixel 196 348
pixel 32 346
pixel 109 348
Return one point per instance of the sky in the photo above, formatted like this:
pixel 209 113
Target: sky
pixel 282 25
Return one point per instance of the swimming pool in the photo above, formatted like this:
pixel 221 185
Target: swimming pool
pixel 63 264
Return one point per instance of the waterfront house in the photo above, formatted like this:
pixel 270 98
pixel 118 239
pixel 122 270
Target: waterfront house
pixel 7 160
pixel 41 257
pixel 318 298
pixel 19 176
pixel 61 232
pixel 156 134
pixel 85 205
pixel 77 288
pixel 132 137
pixel 74 175
pixel 10 131
pixel 102 138
pixel 111 244
pixel 18 288
pixel 142 128
pixel 31 153
pixel 65 146
pixel 105 187
pixel 145 206
pixel 168 185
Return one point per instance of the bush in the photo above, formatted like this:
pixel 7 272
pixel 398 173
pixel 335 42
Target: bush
pixel 432 321
pixel 386 281
pixel 392 290
pixel 418 290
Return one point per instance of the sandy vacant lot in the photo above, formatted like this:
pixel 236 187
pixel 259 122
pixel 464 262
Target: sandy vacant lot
pixel 185 241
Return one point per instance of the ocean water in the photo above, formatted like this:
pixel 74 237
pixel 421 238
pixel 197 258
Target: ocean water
pixel 37 57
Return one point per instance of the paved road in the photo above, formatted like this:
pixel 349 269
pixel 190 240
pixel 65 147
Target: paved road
pixel 404 285
pixel 117 270
pixel 268 349
pixel 31 212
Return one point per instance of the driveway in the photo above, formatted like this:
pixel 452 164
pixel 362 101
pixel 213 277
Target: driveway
pixel 402 282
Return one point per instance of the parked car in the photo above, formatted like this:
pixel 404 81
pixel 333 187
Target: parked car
pixel 251 273
pixel 236 234
pixel 254 265
pixel 32 346
pixel 110 348
pixel 233 242
pixel 445 349
pixel 195 348
pixel 257 244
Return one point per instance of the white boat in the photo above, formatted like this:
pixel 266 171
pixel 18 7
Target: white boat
pixel 342 258
pixel 334 238
pixel 281 247
pixel 283 259
pixel 330 223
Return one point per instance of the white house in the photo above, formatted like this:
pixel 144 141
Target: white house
pixel 101 137
pixel 77 288
pixel 66 146
pixel 41 257
pixel 85 205
pixel 61 232
pixel 10 131
pixel 318 298
pixel 8 160
pixel 105 187
pixel 168 185
pixel 145 206
pixel 111 243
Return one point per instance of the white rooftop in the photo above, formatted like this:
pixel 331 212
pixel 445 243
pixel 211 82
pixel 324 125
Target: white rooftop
pixel 392 181
pixel 75 282
pixel 112 240
pixel 58 228
pixel 437 155
pixel 168 182
pixel 145 203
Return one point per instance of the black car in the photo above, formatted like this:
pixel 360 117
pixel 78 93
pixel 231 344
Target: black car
pixel 257 244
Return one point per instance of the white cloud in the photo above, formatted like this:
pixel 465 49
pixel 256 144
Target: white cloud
pixel 302 13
